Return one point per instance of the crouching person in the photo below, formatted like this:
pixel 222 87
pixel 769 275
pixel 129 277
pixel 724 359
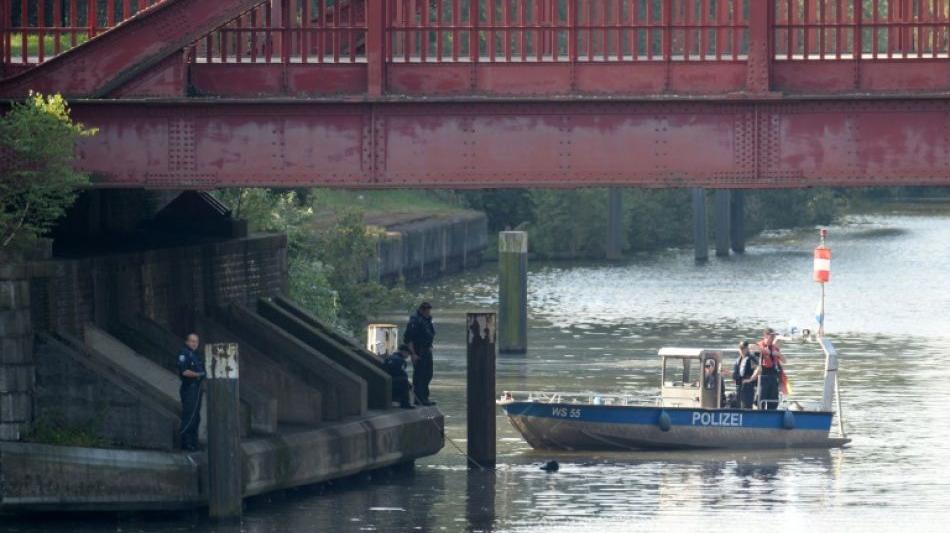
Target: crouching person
pixel 395 366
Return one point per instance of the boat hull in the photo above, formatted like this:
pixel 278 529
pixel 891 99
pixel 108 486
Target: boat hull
pixel 573 427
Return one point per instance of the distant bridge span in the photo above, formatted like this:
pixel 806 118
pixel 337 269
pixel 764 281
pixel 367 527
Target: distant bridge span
pixel 737 144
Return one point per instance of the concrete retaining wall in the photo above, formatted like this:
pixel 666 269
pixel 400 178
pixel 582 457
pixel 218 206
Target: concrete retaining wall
pixel 16 352
pixel 427 247
pixel 61 478
pixel 76 390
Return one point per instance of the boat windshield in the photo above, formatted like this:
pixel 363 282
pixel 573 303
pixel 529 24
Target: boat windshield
pixel 682 372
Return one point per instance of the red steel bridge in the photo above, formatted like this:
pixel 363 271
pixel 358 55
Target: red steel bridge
pixel 494 93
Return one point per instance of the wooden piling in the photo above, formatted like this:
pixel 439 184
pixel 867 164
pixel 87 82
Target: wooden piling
pixel 224 425
pixel 480 357
pixel 700 241
pixel 737 220
pixel 614 249
pixel 723 215
pixel 513 291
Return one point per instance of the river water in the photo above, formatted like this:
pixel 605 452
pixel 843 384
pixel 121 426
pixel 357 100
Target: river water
pixel 597 327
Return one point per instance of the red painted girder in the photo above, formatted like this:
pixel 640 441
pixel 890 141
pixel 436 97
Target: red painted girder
pixel 742 144
pixel 115 57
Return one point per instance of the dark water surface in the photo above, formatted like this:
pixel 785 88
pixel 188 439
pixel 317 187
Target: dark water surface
pixel 597 327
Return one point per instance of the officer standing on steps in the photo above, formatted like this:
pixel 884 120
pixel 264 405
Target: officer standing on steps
pixel 419 335
pixel 191 370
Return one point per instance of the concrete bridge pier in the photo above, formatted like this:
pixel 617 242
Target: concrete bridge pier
pixel 723 215
pixel 614 246
pixel 737 221
pixel 700 241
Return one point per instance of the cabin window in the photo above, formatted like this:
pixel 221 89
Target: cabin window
pixel 681 372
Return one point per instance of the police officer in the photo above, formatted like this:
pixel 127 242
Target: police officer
pixel 419 335
pixel 191 370
pixel 395 366
pixel 770 362
pixel 742 373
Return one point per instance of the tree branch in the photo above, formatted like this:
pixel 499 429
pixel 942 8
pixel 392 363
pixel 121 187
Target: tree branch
pixel 19 224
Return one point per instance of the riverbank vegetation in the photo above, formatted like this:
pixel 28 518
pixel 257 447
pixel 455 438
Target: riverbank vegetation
pixel 38 138
pixel 331 244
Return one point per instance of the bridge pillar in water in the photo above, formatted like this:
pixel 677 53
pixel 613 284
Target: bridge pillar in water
pixel 723 214
pixel 737 220
pixel 480 378
pixel 224 427
pixel 614 246
pixel 513 291
pixel 700 241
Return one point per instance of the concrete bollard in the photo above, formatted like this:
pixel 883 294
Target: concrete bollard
pixel 382 339
pixel 614 247
pixel 700 241
pixel 480 359
pixel 737 220
pixel 513 291
pixel 723 216
pixel 224 426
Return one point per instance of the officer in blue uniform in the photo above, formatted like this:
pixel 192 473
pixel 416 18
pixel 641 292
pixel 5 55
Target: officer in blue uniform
pixel 395 366
pixel 191 370
pixel 742 373
pixel 419 335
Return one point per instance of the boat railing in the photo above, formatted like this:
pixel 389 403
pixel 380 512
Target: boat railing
pixel 583 398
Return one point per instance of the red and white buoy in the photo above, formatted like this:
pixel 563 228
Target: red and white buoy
pixel 822 270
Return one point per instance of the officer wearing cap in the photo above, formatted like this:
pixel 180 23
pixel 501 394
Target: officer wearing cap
pixel 419 336
pixel 191 370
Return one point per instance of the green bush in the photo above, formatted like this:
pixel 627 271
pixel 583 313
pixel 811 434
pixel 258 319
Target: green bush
pixel 39 139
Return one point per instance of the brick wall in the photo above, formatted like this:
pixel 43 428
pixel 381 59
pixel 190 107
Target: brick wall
pixel 170 286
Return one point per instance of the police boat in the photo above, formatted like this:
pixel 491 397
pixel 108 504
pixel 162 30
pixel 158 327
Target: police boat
pixel 686 415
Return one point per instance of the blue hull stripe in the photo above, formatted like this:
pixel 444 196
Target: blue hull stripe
pixel 679 416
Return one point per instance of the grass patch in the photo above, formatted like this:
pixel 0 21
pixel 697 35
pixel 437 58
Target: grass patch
pixel 49 44
pixel 53 430
pixel 393 201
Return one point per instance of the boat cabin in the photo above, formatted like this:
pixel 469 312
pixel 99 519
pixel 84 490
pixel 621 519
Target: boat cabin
pixel 693 377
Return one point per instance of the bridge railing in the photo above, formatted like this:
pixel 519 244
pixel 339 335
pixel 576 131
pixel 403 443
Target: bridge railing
pixel 33 31
pixel 290 31
pixel 808 30
pixel 490 31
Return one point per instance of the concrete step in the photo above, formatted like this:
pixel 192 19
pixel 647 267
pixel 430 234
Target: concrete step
pixel 160 346
pixel 343 392
pixel 302 326
pixel 297 402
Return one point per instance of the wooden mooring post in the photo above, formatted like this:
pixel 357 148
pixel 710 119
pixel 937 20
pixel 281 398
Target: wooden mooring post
pixel 480 356
pixel 224 432
pixel 513 291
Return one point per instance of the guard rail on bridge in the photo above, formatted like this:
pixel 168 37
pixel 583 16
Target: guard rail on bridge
pixel 529 47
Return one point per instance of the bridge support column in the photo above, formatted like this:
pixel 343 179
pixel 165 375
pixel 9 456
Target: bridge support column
pixel 480 384
pixel 723 216
pixel 513 291
pixel 737 220
pixel 614 247
pixel 224 426
pixel 700 241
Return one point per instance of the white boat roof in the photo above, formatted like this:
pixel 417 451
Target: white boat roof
pixel 689 352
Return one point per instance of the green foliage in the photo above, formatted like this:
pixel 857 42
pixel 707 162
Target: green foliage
pixel 53 429
pixel 569 223
pixel 348 247
pixel 658 218
pixel 789 208
pixel 505 208
pixel 39 139
pixel 327 266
